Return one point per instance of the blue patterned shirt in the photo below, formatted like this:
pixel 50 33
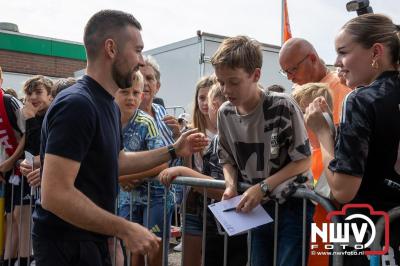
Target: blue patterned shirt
pixel 141 133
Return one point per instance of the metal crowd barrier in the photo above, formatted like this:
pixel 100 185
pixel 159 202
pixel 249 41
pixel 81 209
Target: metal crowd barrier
pixel 9 236
pixel 302 193
pixel 173 110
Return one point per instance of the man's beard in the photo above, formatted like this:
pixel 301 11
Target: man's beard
pixel 123 81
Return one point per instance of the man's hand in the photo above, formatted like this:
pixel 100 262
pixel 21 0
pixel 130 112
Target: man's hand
pixel 229 192
pixel 34 178
pixel 25 168
pixel 190 142
pixel 173 124
pixel 250 199
pixel 138 239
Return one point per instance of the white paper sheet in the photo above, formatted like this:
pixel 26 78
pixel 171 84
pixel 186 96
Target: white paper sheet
pixel 237 222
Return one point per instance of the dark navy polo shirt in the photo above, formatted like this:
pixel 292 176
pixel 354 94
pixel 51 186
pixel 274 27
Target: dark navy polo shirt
pixel 82 124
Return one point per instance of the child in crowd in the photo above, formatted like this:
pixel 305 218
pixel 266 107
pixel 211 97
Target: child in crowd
pixel 140 133
pixel 201 121
pixel 304 95
pixel 237 251
pixel 37 100
pixel 62 84
pixel 261 135
pixel 12 128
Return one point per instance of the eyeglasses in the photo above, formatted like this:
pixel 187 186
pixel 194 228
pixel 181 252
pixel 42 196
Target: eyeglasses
pixel 292 70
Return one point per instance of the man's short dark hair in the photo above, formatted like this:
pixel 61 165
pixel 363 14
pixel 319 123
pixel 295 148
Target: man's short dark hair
pixel 103 25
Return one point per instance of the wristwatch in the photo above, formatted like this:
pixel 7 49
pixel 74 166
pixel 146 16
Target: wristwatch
pixel 264 188
pixel 171 151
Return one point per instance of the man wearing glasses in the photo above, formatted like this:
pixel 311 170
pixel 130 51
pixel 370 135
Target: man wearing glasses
pixel 301 64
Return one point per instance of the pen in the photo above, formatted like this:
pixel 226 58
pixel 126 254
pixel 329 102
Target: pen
pixel 229 209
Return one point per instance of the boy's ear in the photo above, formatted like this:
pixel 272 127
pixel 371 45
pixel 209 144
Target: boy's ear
pixel 256 74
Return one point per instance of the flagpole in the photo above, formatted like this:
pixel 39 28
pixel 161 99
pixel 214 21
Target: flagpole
pixel 282 21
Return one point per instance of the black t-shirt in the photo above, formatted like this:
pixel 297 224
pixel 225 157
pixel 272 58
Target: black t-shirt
pixel 82 124
pixel 367 143
pixel 32 134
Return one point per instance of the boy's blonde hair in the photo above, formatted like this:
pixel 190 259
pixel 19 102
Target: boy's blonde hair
pixel 308 92
pixel 138 79
pixel 216 93
pixel 238 52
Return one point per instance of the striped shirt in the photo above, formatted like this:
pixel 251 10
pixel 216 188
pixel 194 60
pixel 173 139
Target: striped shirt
pixel 164 130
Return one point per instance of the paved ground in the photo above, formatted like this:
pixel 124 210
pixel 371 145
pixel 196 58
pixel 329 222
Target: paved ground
pixel 174 258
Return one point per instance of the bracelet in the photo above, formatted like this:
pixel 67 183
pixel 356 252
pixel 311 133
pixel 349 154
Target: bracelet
pixel 171 151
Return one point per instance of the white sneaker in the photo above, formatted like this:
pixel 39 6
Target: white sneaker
pixel 178 248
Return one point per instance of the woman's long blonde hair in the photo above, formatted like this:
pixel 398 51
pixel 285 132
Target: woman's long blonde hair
pixel 198 119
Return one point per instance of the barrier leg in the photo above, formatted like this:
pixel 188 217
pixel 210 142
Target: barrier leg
pixel 10 243
pixel 204 233
pixel 166 231
pixel 183 230
pixel 276 226
pixel 304 244
pixel 225 249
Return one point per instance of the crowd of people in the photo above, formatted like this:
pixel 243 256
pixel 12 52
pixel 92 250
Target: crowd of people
pixel 75 146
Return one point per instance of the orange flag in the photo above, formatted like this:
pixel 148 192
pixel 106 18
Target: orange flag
pixel 286 33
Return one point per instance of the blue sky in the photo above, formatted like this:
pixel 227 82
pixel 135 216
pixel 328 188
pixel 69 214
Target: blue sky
pixel 167 21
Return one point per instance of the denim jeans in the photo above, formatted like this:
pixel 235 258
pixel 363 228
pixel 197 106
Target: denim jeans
pixel 156 217
pixel 289 235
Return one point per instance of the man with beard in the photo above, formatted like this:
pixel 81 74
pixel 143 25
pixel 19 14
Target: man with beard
pixel 82 156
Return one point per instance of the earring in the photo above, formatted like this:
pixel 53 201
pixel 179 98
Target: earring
pixel 375 64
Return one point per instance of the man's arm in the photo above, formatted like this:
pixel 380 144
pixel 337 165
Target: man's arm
pixel 60 197
pixel 187 144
